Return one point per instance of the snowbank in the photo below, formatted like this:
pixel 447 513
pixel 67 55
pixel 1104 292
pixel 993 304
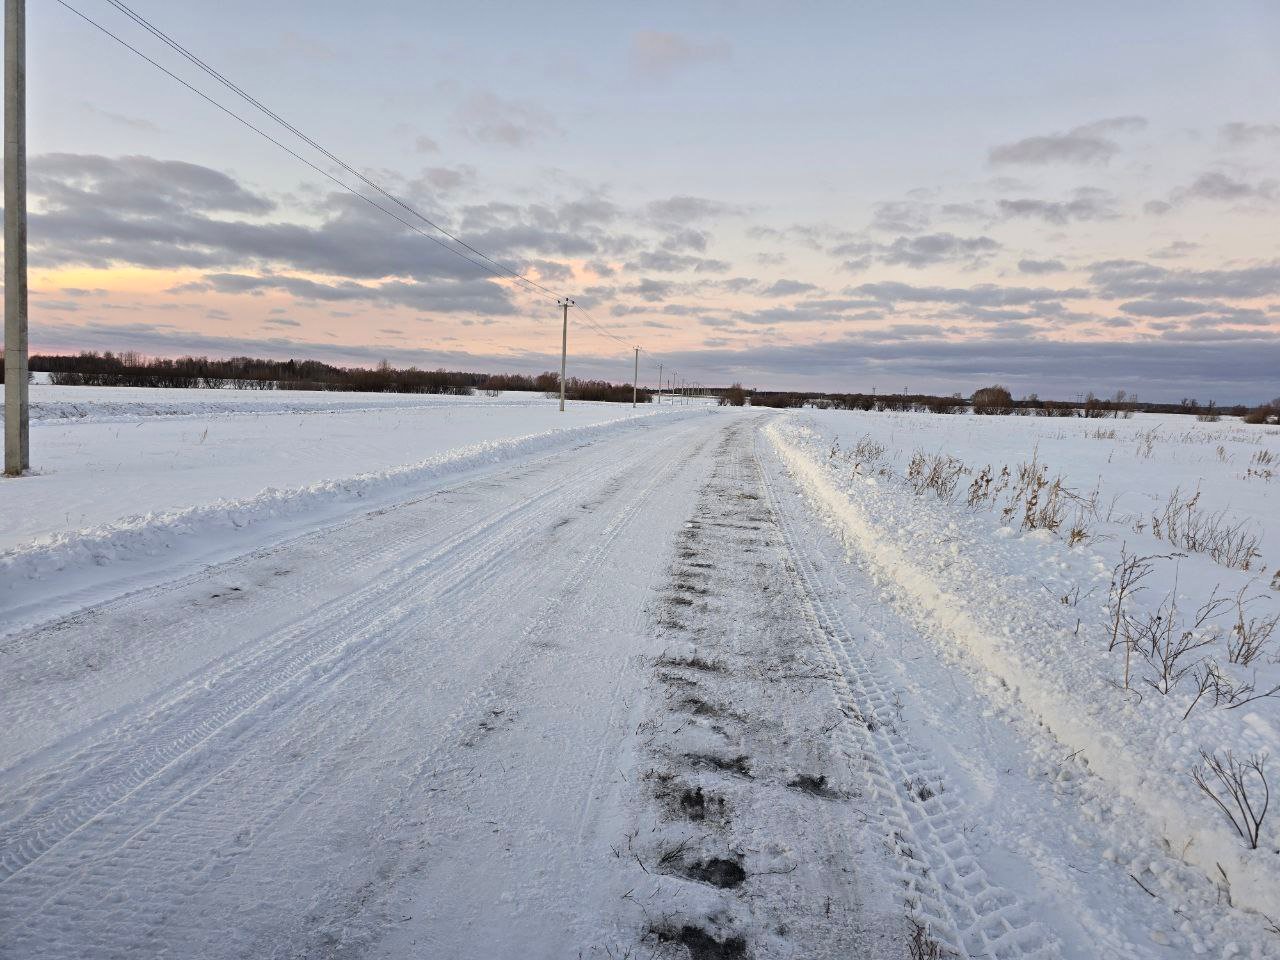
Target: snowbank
pixel 970 583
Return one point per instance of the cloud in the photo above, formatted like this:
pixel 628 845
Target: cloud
pixel 139 184
pixel 664 261
pixel 1241 134
pixel 1087 204
pixel 686 209
pixel 686 239
pixel 487 118
pixel 425 145
pixel 449 296
pixel 551 270
pixel 1041 266
pixel 900 216
pixel 1120 279
pixel 95 211
pixel 935 248
pixel 916 252
pixel 984 294
pixel 652 291
pixel 1166 308
pixel 1227 189
pixel 1088 144
pixel 787 288
pixel 658 54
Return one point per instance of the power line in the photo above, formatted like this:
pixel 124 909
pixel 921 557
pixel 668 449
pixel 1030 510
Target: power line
pixel 480 259
pixel 248 98
pixel 501 274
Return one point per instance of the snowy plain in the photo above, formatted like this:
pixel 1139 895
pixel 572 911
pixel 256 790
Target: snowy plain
pixel 473 678
pixel 136 481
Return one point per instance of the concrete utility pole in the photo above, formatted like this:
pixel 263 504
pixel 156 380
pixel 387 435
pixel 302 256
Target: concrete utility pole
pixel 635 380
pixel 564 347
pixel 659 384
pixel 17 445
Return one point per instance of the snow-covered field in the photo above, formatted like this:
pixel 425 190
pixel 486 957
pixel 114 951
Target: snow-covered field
pixel 338 675
pixel 142 480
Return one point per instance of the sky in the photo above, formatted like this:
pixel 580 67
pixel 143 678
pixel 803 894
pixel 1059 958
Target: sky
pixel 829 196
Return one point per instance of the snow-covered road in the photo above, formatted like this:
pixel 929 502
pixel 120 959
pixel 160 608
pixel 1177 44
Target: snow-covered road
pixel 625 696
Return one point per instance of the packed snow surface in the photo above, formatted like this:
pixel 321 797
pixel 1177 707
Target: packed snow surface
pixel 340 675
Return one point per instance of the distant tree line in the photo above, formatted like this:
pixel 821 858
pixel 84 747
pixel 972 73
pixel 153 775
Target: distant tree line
pixel 994 400
pixel 128 369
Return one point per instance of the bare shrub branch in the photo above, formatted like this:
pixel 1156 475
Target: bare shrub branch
pixel 1239 788
pixel 1250 636
pixel 1166 643
pixel 1126 581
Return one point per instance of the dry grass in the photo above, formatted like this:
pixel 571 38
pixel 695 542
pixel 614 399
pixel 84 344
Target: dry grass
pixel 1184 524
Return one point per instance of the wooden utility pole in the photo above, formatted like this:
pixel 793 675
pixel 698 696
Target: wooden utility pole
pixel 659 384
pixel 564 347
pixel 17 444
pixel 635 380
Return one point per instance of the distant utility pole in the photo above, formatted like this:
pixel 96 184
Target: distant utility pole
pixel 635 380
pixel 564 347
pixel 659 384
pixel 17 445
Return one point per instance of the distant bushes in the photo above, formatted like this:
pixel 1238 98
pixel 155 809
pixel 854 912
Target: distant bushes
pixel 602 390
pixel 998 400
pixel 992 400
pixel 247 373
pixel 735 396
pixel 1265 413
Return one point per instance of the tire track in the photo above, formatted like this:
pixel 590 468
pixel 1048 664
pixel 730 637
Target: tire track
pixel 74 794
pixel 945 887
